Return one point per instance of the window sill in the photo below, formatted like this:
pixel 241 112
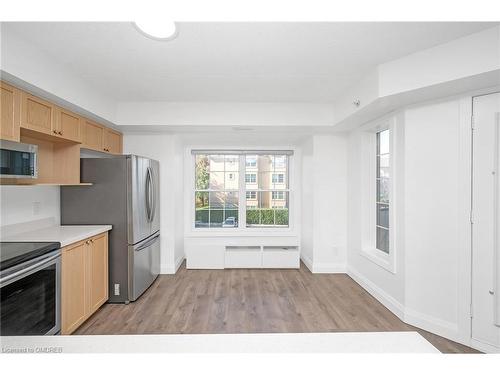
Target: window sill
pixel 273 232
pixel 380 259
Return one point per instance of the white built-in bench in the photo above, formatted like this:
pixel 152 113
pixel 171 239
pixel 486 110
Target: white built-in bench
pixel 242 252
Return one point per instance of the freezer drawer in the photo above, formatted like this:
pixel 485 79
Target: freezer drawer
pixel 145 265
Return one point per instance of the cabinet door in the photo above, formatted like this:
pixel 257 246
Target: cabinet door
pixel 112 141
pixel 73 287
pixel 68 125
pixel 98 278
pixel 37 114
pixel 10 112
pixel 92 136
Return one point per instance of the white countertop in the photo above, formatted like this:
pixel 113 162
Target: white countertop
pixel 65 234
pixel 334 342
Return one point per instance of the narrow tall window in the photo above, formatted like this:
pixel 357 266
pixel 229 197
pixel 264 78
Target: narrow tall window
pixel 383 193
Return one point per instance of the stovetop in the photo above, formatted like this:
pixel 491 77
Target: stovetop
pixel 14 253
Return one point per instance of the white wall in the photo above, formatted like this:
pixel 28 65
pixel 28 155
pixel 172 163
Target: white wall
pixel 162 148
pixel 463 57
pixel 324 184
pixel 21 204
pixel 431 284
pixel 224 114
pixel 307 197
pixel 437 180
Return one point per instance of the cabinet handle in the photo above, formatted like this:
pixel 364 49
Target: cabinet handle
pixel 60 133
pixel 54 131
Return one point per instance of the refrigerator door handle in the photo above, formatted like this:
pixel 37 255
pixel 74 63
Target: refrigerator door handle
pixel 153 193
pixel 148 243
pixel 148 194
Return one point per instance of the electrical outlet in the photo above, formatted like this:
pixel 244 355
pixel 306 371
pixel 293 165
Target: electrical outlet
pixel 36 208
pixel 117 289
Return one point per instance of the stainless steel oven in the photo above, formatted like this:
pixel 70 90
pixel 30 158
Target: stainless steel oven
pixel 18 160
pixel 30 297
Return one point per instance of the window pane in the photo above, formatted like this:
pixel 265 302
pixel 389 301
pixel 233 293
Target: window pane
pixel 232 162
pixel 201 170
pixel 201 210
pixel 383 142
pixel 265 180
pixel 270 209
pixel 383 240
pixel 230 210
pixel 231 181
pixel 383 215
pixel 383 166
pixel 216 163
pixel 216 180
pixel 383 190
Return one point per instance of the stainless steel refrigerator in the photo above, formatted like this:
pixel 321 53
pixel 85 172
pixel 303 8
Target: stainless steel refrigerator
pixel 125 194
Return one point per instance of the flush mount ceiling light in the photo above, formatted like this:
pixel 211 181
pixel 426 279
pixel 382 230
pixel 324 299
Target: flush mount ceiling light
pixel 157 29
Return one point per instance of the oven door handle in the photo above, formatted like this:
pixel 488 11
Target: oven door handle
pixel 28 269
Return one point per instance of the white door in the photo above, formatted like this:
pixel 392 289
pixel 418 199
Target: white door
pixel 485 228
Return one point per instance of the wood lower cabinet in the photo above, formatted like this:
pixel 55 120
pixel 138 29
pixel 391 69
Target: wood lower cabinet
pixel 84 286
pixel 10 112
pixel 98 271
pixel 74 281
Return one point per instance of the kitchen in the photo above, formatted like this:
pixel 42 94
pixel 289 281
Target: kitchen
pixel 267 188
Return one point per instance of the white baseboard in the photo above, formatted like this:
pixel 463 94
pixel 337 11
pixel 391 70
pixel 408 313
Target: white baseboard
pixel 409 316
pixel 434 325
pixel 483 347
pixel 385 299
pixel 329 268
pixel 307 261
pixel 178 262
pixel 322 267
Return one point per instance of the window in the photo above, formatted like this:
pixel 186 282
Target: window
pixel 251 161
pixel 278 195
pixel 278 178
pixel 382 190
pixel 250 178
pixel 218 188
pixel 251 195
pixel 216 191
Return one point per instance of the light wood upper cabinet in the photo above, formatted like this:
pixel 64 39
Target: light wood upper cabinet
pixel 112 141
pixel 10 112
pixel 98 272
pixel 68 125
pixel 37 114
pixel 84 289
pixel 74 279
pixel 93 135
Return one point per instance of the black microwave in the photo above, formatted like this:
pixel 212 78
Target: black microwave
pixel 18 160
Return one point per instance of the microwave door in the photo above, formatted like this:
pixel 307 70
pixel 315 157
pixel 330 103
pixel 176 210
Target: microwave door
pixel 18 160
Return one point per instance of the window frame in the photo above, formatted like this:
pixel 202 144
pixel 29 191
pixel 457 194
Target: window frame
pixel 242 229
pixel 369 194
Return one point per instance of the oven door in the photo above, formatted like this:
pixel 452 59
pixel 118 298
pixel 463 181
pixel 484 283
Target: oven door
pixel 30 297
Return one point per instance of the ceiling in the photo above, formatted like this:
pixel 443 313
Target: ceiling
pixel 248 62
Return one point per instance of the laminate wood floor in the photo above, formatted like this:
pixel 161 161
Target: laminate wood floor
pixel 253 301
